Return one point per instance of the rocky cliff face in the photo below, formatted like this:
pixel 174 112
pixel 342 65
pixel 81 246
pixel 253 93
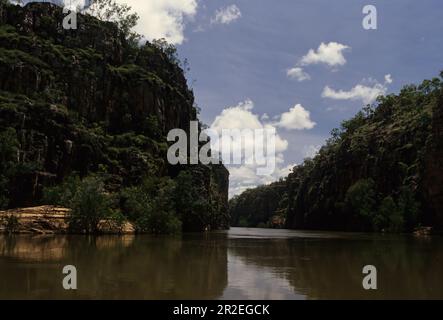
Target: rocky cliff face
pixel 381 171
pixel 87 101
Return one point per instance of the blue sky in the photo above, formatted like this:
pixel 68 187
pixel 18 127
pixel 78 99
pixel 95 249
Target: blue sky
pixel 244 55
pixel 249 58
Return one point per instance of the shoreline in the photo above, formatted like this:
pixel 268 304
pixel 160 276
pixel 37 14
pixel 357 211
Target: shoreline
pixel 50 220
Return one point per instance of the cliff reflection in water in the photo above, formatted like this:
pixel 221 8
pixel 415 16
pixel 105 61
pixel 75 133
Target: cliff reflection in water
pixel 111 267
pixel 239 264
pixel 329 265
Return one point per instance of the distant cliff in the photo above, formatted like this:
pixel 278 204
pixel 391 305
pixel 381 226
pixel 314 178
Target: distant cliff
pixel 381 171
pixel 89 102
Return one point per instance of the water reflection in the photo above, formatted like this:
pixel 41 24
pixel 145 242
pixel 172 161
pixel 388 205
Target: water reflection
pixel 329 265
pixel 113 267
pixel 239 264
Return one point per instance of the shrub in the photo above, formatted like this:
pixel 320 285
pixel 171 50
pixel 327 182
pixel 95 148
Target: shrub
pixel 88 201
pixel 89 205
pixel 151 206
pixel 62 194
pixel 192 203
pixel 392 217
pixel 409 207
pixel 361 199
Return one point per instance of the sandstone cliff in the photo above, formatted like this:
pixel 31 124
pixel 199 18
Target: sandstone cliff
pixel 380 171
pixel 88 101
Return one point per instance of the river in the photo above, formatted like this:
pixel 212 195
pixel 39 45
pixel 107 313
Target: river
pixel 235 264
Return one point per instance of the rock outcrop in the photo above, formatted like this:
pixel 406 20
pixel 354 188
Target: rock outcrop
pixel 50 220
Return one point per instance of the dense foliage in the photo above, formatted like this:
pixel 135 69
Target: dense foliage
pixel 381 171
pixel 264 206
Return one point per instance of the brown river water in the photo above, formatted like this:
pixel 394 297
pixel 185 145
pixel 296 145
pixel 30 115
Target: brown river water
pixel 235 264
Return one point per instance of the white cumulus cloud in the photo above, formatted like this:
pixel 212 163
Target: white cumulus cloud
pixel 242 116
pixel 226 15
pixel 163 18
pixel 330 54
pixel 298 73
pixel 388 79
pixel 366 93
pixel 297 118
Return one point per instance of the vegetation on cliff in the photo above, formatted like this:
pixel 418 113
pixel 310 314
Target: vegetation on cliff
pixel 83 121
pixel 380 171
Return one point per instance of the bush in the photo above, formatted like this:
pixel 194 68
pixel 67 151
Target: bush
pixel 88 201
pixel 151 206
pixel 62 195
pixel 409 207
pixel 392 217
pixel 361 200
pixel 89 205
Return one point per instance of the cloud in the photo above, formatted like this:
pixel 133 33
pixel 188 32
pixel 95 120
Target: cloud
pixel 226 15
pixel 299 74
pixel 244 177
pixel 366 93
pixel 242 116
pixel 388 79
pixel 310 151
pixel 297 118
pixel 163 18
pixel 330 54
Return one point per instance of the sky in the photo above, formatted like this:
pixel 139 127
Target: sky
pixel 300 66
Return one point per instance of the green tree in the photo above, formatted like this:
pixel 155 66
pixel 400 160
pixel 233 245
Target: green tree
pixel 409 208
pixel 121 14
pixel 168 49
pixel 89 206
pixel 191 204
pixel 88 200
pixel 361 200
pixel 151 206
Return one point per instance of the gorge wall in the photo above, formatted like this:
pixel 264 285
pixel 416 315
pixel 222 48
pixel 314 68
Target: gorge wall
pixel 89 101
pixel 381 171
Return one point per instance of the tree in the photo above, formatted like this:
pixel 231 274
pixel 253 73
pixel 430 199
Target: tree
pixel 88 200
pixel 171 53
pixel 361 200
pixel 151 206
pixel 121 14
pixel 89 206
pixel 192 205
